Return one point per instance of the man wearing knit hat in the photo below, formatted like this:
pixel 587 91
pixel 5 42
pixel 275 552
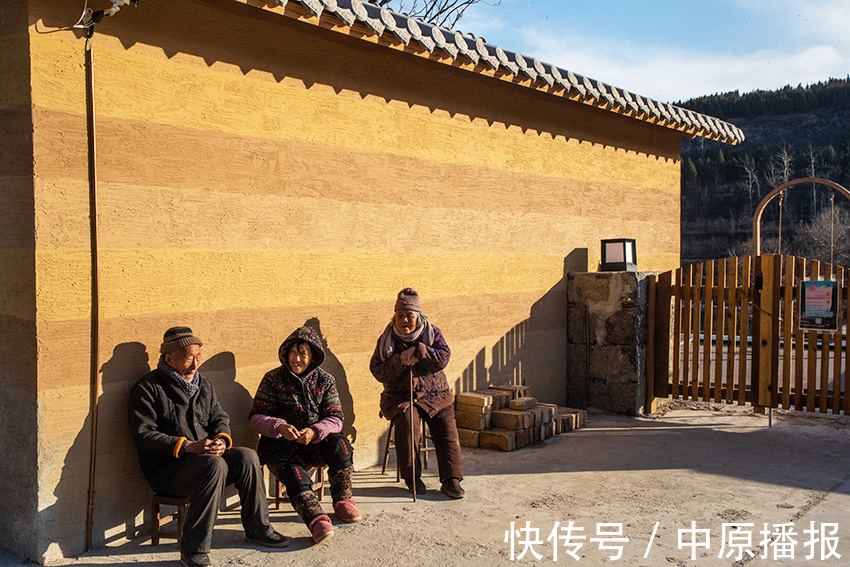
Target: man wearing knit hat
pixel 183 438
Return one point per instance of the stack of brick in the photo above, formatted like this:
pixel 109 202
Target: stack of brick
pixel 507 418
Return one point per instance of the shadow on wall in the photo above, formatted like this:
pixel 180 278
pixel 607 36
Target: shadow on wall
pixel 533 352
pixel 333 366
pixel 236 401
pixel 119 485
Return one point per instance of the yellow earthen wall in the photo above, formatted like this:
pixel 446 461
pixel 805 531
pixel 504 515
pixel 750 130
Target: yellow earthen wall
pixel 18 410
pixel 258 173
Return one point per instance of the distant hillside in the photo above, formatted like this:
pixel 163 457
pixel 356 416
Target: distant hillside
pixel 790 133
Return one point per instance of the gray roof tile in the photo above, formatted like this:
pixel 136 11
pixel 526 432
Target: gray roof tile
pixel 593 92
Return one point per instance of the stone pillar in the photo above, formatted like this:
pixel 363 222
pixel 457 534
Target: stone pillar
pixel 606 341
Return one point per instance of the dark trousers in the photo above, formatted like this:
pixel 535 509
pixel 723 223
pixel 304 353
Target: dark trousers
pixel 443 434
pixel 203 478
pixel 334 451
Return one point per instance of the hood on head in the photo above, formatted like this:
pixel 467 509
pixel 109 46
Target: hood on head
pixel 309 336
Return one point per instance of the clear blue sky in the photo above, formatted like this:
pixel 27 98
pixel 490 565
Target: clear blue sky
pixel 676 49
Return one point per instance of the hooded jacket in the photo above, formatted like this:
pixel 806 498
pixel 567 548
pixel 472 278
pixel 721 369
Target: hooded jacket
pixel 302 401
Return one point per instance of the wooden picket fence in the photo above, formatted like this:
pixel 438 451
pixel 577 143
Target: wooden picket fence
pixel 725 331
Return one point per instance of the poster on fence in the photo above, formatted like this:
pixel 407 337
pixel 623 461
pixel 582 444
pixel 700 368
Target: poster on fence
pixel 818 306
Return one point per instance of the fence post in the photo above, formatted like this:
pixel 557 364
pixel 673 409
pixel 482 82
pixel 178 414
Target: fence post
pixel 766 346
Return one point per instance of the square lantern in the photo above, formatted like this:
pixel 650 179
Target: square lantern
pixel 618 255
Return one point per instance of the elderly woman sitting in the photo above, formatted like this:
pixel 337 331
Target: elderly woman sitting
pixel 410 343
pixel 298 415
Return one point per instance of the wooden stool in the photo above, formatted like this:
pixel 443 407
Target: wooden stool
pixel 318 487
pixel 424 448
pixel 182 504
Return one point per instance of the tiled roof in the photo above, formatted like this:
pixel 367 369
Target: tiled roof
pixel 399 31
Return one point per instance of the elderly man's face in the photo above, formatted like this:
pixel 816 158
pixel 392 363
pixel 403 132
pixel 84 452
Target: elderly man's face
pixel 185 361
pixel 405 321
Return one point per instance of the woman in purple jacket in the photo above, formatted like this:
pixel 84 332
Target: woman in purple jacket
pixel 411 344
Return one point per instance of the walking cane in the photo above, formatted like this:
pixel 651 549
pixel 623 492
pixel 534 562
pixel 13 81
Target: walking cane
pixel 412 446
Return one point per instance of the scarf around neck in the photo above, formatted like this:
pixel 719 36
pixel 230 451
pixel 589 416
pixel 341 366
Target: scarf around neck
pixel 424 333
pixel 191 387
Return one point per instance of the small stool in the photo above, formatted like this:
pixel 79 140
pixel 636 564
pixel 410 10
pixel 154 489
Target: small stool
pixel 318 487
pixel 182 504
pixel 424 448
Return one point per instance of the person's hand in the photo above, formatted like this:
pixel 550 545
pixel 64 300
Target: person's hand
pixel 217 447
pixel 408 357
pixel 306 435
pixel 288 432
pixel 421 351
pixel 196 447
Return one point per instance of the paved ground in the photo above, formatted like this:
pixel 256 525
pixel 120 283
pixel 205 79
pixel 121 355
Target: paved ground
pixel 651 482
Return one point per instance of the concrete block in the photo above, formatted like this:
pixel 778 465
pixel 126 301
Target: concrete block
pixel 523 403
pixel 540 415
pixel 548 430
pixel 551 410
pixel 472 420
pixel 514 390
pixel 523 438
pixel 499 439
pixel 474 399
pixel 580 416
pixel 468 437
pixel 563 424
pixel 481 410
pixel 500 397
pixel 512 419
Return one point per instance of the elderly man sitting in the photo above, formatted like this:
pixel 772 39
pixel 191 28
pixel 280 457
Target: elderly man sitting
pixel 183 438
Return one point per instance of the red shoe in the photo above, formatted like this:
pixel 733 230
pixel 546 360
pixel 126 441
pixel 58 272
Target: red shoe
pixel 346 511
pixel 321 528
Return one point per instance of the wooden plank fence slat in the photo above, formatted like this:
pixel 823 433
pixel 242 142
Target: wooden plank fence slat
pixel 835 391
pixel 697 316
pixel 707 330
pixel 677 331
pixel 787 331
pixel 744 329
pixel 824 338
pixel 719 330
pixel 844 337
pixel 811 351
pixel 687 302
pixel 799 376
pixel 734 343
pixel 652 339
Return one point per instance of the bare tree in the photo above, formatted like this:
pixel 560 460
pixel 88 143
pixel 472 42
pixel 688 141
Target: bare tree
pixel 444 13
pixel 826 237
pixel 780 166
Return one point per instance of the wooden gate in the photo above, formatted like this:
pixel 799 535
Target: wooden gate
pixel 726 331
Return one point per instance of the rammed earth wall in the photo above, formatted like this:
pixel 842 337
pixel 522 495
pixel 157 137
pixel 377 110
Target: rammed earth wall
pixel 255 173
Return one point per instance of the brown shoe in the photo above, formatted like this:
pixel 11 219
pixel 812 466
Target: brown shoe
pixel 420 486
pixel 452 489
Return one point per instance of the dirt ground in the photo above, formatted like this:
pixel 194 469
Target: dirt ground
pixel 682 472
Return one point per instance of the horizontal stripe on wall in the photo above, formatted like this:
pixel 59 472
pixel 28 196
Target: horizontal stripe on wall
pixel 221 98
pixel 134 282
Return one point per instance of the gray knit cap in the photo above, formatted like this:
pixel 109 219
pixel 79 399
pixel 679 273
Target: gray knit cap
pixel 176 338
pixel 408 299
